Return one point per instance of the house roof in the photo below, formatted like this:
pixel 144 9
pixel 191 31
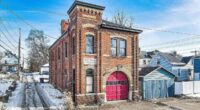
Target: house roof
pixel 80 3
pixel 146 70
pixel 45 65
pixel 144 54
pixel 171 57
pixel 186 59
pixel 115 26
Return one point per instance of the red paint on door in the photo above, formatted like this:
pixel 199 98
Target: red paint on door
pixel 117 86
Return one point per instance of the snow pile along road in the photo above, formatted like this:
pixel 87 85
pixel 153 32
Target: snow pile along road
pixel 4 85
pixel 53 97
pixel 16 100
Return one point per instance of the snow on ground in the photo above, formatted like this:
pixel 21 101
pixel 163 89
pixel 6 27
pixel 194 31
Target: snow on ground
pixel 54 97
pixel 4 85
pixel 194 95
pixel 3 76
pixel 16 100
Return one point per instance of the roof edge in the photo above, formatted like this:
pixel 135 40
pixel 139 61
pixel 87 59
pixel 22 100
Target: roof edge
pixel 90 5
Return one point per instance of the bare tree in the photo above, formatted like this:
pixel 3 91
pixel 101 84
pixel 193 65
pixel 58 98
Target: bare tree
pixel 121 18
pixel 38 49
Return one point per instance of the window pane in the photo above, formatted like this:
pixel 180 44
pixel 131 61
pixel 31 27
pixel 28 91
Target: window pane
pixel 122 44
pixel 122 52
pixel 89 88
pixel 89 80
pixel 89 72
pixel 89 44
pixel 114 43
pixel 114 51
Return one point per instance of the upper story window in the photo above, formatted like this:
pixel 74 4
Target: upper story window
pixel 118 47
pixel 89 44
pixel 59 53
pixel 65 49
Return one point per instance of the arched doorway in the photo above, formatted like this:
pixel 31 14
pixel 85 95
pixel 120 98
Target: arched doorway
pixel 117 86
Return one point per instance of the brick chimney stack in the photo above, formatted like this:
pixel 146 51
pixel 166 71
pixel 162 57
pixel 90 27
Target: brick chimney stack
pixel 64 25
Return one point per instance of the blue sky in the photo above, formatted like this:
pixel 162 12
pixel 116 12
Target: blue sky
pixel 169 15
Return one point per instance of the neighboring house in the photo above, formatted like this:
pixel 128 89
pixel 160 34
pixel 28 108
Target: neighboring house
pixel 94 59
pixel 44 69
pixel 172 62
pixel 156 82
pixel 197 68
pixel 9 63
pixel 145 58
pixel 189 61
pixel 44 73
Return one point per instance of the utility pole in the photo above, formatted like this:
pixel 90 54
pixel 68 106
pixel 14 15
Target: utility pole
pixel 19 53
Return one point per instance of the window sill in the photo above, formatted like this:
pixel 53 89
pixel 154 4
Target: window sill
pixel 119 56
pixel 90 54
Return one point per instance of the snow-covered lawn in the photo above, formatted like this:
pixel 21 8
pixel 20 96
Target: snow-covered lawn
pixel 4 85
pixel 54 97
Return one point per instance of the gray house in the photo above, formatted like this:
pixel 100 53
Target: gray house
pixel 156 82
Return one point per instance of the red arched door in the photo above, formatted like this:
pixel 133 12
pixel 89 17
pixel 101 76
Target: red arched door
pixel 117 86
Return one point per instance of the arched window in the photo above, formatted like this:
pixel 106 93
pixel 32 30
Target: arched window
pixel 89 44
pixel 89 81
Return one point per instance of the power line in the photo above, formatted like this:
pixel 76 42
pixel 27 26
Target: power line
pixel 5 44
pixel 166 31
pixel 9 34
pixel 7 38
pixel 19 17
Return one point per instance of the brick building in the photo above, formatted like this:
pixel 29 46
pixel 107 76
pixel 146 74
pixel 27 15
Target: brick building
pixel 94 59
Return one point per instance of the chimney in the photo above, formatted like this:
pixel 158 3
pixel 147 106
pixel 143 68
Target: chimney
pixel 64 25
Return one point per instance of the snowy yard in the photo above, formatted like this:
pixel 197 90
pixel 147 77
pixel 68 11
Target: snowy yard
pixel 54 97
pixel 4 85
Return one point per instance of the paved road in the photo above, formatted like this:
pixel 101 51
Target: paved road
pixel 32 99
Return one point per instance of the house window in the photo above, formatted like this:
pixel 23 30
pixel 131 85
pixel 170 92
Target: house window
pixel 52 56
pixel 179 72
pixel 89 81
pixel 118 47
pixel 144 62
pixel 66 49
pixel 158 62
pixel 89 44
pixel 59 53
pixel 66 78
pixel 73 45
pixel 114 47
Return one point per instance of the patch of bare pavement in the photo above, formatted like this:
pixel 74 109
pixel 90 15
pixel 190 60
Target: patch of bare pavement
pixel 179 103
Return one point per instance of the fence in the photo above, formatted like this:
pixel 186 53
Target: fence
pixel 185 88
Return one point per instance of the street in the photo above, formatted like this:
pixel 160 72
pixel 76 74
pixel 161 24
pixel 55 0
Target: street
pixel 32 99
pixel 33 95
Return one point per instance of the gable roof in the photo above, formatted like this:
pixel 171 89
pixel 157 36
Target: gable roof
pixel 147 70
pixel 144 54
pixel 115 26
pixel 186 59
pixel 171 57
pixel 80 3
